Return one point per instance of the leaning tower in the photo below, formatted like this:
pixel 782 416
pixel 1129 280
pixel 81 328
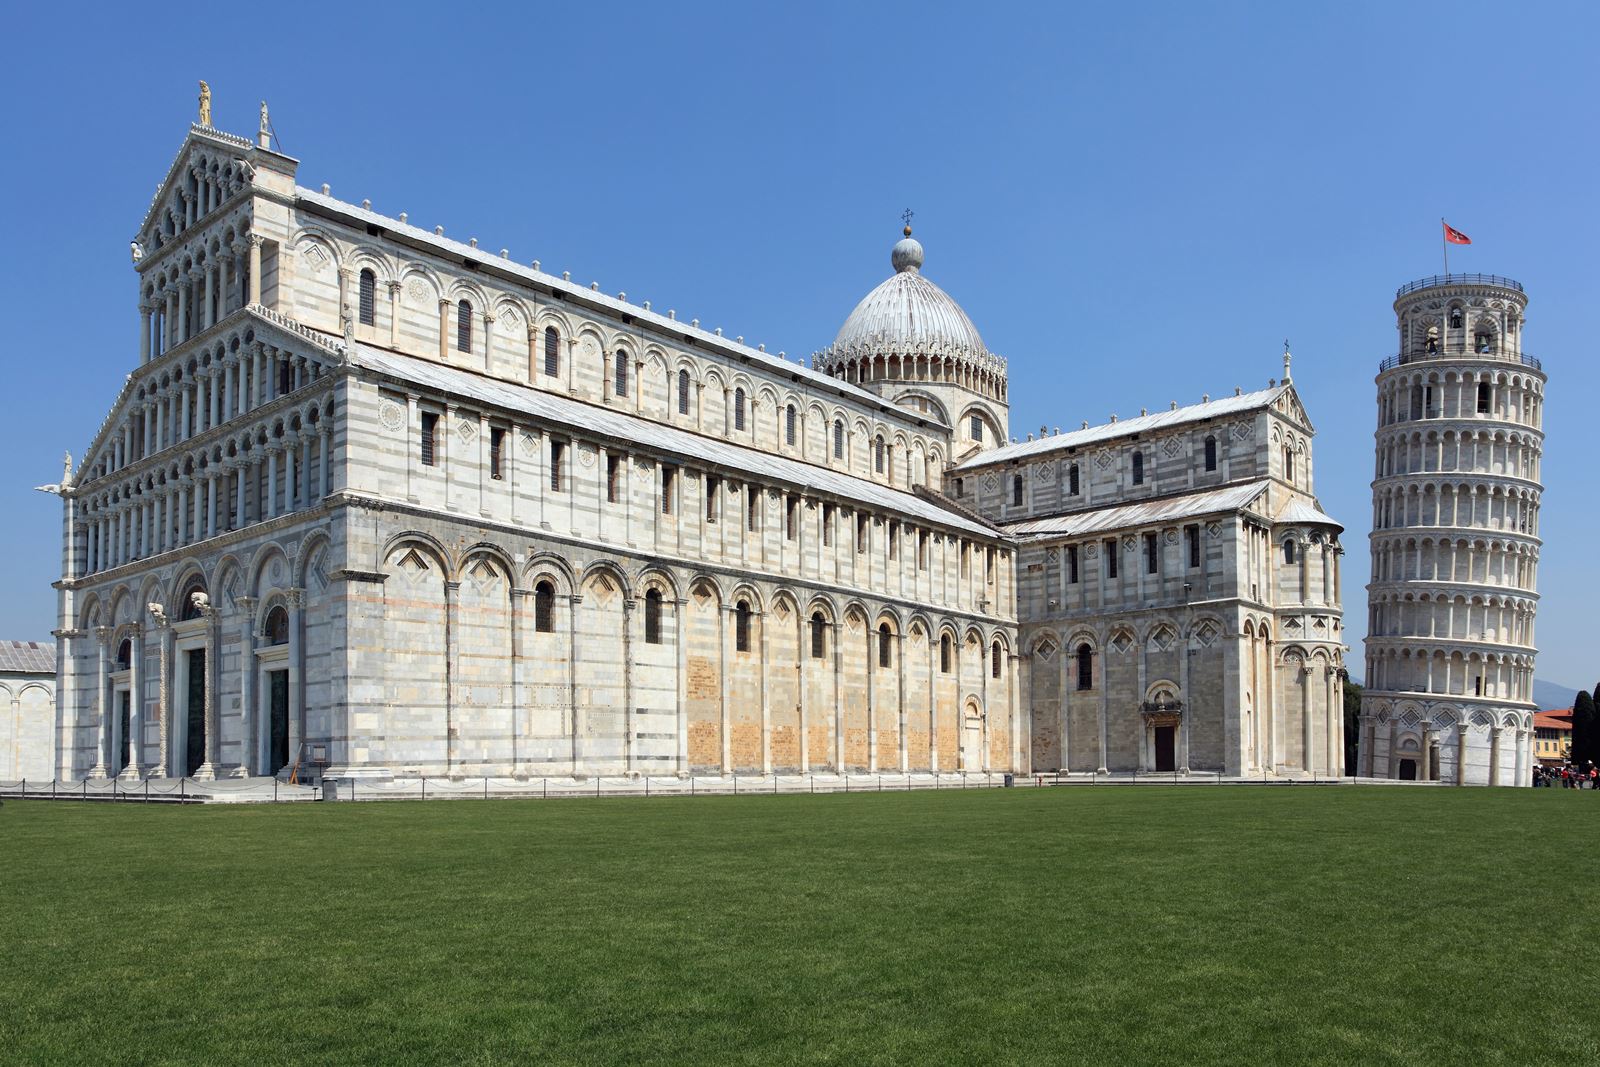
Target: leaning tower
pixel 1455 539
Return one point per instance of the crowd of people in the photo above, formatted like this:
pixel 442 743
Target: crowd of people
pixel 1567 776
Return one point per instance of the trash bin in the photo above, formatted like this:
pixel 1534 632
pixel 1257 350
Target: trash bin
pixel 1010 781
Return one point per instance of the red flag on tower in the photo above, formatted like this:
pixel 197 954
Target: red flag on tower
pixel 1454 236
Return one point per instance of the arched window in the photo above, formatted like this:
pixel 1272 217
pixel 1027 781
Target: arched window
pixel 369 297
pixel 885 642
pixel 276 631
pixel 1085 667
pixel 1072 480
pixel 463 326
pixel 944 653
pixel 1455 318
pixel 1016 490
pixel 788 425
pixel 1138 468
pixel 124 655
pixel 187 608
pixel 819 635
pixel 741 627
pixel 621 373
pixel 1288 463
pixel 683 392
pixel 995 658
pixel 552 351
pixel 1288 550
pixel 652 617
pixel 544 608
pixel 838 438
pixel 738 409
pixel 877 454
pixel 1211 453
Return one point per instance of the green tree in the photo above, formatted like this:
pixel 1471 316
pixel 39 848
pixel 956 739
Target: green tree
pixel 1352 724
pixel 1583 729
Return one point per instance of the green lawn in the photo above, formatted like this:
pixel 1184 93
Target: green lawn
pixel 1126 925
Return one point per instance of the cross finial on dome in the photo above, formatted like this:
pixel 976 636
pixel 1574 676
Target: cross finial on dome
pixel 905 217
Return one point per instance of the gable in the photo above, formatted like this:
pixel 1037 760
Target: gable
pixel 210 169
pixel 1289 406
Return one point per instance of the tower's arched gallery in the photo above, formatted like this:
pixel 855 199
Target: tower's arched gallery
pixel 396 505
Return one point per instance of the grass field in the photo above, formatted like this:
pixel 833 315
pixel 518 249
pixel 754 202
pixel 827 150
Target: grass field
pixel 1125 925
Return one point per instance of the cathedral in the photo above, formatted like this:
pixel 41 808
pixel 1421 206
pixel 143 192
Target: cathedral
pixel 376 504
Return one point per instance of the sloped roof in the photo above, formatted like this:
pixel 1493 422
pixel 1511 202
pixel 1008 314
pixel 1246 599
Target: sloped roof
pixel 1299 511
pixel 589 418
pixel 1560 719
pixel 1167 509
pixel 28 657
pixel 1160 420
pixel 706 339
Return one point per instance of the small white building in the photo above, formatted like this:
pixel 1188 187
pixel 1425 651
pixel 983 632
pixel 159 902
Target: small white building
pixel 27 726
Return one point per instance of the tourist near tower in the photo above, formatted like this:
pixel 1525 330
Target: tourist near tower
pixel 1455 540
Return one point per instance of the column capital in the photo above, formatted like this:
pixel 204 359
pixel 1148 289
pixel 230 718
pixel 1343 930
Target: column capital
pixel 295 597
pixel 256 240
pixel 103 634
pixel 246 604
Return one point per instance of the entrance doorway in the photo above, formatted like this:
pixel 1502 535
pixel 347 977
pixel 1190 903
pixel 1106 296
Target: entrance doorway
pixel 119 757
pixel 1166 748
pixel 1408 770
pixel 278 716
pixel 195 735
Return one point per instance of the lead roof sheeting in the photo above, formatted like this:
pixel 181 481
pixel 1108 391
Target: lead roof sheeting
pixel 1171 509
pixel 589 418
pixel 660 323
pixel 1299 511
pixel 28 657
pixel 1161 420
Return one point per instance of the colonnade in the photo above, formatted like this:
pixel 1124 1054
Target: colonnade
pixel 1395 669
pixel 1508 564
pixel 984 375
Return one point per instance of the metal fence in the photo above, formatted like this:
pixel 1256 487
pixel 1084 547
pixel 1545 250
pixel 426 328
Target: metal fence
pixel 270 790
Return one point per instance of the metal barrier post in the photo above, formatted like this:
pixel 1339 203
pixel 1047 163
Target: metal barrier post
pixel 486 787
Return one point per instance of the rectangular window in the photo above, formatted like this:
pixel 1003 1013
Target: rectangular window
pixel 1072 480
pixel 922 550
pixel 713 484
pixel 497 448
pixel 752 497
pixel 988 566
pixel 558 455
pixel 1192 535
pixel 1109 547
pixel 893 540
pixel 1152 553
pixel 1072 564
pixel 1483 398
pixel 791 517
pixel 966 559
pixel 977 428
pixel 827 525
pixel 861 532
pixel 669 482
pixel 613 469
pixel 430 432
pixel 1016 490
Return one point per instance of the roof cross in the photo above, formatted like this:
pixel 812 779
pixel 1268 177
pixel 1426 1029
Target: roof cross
pixel 905 217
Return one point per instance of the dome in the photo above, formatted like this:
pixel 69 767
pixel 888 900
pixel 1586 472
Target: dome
pixel 907 314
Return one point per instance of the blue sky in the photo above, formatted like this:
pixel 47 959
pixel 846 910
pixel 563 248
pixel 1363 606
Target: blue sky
pixel 1135 204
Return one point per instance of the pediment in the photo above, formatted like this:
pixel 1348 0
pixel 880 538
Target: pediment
pixel 210 168
pixel 1288 405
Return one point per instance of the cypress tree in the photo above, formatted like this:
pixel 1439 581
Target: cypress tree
pixel 1583 730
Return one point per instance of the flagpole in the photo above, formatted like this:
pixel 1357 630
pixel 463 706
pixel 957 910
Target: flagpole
pixel 1444 246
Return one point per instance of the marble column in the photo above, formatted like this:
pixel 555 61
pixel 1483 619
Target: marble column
pixel 102 702
pixel 252 751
